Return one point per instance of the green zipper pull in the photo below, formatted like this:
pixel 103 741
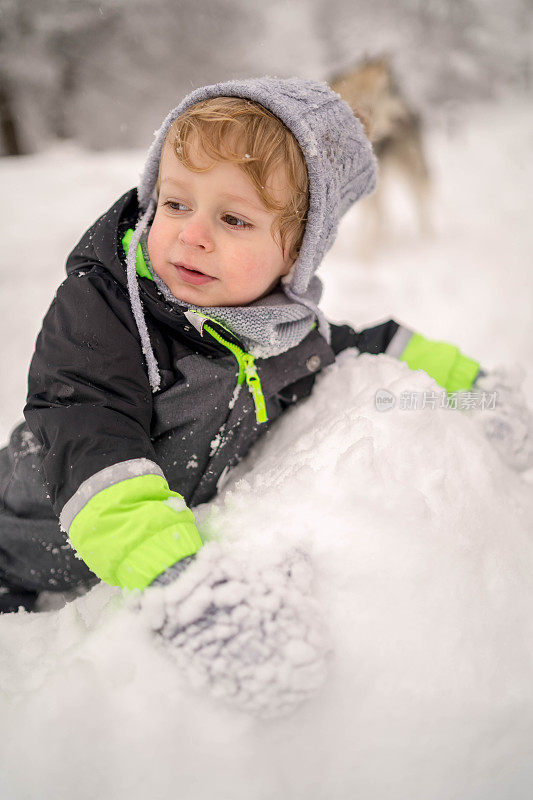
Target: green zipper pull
pixel 247 371
pixel 254 384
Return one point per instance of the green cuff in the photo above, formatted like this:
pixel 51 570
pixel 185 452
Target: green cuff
pixel 463 374
pixel 153 556
pixel 442 361
pixel 131 532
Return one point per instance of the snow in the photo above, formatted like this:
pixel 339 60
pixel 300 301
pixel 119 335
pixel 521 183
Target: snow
pixel 245 629
pixel 176 503
pixel 418 535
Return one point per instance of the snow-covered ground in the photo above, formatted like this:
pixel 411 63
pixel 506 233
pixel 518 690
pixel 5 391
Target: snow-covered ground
pixel 421 539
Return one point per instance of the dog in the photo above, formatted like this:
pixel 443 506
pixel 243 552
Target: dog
pixel 395 131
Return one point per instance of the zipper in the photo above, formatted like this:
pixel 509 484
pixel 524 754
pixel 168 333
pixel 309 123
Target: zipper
pixel 247 372
pixel 247 368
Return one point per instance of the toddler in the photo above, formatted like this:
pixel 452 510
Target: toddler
pixel 188 322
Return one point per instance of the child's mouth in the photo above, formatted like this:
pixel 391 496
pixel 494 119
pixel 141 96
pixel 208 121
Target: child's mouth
pixel 192 275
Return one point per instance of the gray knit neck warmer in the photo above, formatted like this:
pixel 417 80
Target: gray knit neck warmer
pixel 341 169
pixel 266 327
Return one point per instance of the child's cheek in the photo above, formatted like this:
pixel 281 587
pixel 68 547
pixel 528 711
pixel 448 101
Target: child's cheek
pixel 247 276
pixel 247 259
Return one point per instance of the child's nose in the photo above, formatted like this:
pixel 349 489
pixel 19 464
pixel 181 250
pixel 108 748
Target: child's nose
pixel 195 233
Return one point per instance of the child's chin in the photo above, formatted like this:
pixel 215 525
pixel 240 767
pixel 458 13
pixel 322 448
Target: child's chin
pixel 203 299
pixel 189 295
pixel 201 296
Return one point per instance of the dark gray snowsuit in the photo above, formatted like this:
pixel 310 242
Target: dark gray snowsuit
pixel 90 409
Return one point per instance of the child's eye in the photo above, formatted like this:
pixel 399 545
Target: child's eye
pixel 174 205
pixel 235 222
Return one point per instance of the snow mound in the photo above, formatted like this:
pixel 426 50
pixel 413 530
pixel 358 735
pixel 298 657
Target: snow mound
pixel 422 559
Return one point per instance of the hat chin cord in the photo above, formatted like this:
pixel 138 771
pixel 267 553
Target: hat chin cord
pixel 135 300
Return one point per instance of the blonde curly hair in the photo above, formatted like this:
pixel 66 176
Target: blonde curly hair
pixel 264 144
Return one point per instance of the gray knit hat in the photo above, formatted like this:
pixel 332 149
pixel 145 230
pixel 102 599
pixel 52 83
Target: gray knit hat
pixel 341 169
pixel 339 157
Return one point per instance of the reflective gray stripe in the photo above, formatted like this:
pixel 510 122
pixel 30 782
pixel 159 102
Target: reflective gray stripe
pixel 399 342
pixel 102 480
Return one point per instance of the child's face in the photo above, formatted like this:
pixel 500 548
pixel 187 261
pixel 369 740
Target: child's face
pixel 210 240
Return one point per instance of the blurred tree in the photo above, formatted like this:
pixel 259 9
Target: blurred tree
pixel 11 145
pixel 157 54
pixel 104 72
pixel 16 28
pixel 84 29
pixel 41 47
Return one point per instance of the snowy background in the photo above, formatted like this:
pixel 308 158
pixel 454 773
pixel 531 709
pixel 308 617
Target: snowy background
pixel 421 539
